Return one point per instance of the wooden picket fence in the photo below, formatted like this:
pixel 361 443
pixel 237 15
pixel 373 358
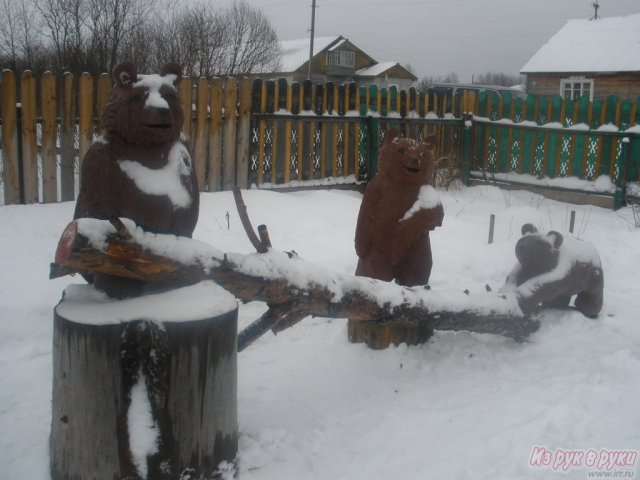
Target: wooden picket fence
pixel 555 138
pixel 272 134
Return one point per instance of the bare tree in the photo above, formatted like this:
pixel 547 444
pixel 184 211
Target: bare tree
pixel 495 78
pixel 254 44
pixel 112 23
pixel 64 26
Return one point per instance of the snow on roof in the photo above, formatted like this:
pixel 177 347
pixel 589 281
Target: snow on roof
pixel 295 53
pixel 603 45
pixel 375 70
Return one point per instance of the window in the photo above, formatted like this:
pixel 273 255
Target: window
pixel 574 88
pixel 341 58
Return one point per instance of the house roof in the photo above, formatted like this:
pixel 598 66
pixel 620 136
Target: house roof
pixel 295 53
pixel 393 69
pixel 375 70
pixel 602 45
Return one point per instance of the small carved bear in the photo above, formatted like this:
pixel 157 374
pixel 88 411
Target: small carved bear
pixel 398 209
pixel 141 168
pixel 552 269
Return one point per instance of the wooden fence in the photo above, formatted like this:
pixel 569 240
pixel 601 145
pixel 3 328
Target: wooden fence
pixel 272 134
pixel 555 138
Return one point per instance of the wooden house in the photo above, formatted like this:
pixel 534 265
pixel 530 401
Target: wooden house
pixel 338 60
pixel 593 58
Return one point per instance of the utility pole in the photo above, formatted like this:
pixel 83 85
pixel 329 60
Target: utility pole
pixel 313 27
pixel 595 7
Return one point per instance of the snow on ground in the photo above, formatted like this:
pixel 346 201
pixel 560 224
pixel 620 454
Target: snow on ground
pixel 314 406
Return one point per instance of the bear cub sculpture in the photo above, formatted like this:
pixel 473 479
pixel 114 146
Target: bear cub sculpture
pixel 398 210
pixel 141 168
pixel 552 269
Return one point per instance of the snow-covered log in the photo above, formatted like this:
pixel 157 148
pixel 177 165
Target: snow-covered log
pixel 291 287
pixel 144 388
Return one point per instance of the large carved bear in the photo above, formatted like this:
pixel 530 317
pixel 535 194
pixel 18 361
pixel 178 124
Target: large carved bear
pixel 398 210
pixel 552 269
pixel 141 168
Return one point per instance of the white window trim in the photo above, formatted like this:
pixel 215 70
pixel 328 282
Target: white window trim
pixel 345 58
pixel 581 80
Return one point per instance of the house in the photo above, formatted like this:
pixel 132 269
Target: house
pixel 594 58
pixel 338 60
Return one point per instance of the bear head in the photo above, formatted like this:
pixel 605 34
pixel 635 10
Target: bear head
pixel 405 160
pixel 144 109
pixel 538 253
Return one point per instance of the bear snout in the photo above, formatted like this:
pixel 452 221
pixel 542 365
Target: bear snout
pixel 413 164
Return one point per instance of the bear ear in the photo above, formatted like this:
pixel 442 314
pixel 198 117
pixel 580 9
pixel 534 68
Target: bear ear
pixel 172 69
pixel 391 135
pixel 557 238
pixel 431 141
pixel 529 228
pixel 125 74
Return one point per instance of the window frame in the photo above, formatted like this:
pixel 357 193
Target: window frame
pixel 573 81
pixel 341 58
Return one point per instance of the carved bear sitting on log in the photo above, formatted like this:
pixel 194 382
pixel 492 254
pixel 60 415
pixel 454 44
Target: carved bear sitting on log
pixel 398 210
pixel 552 269
pixel 141 168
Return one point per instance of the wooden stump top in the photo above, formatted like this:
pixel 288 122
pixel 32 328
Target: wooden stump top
pixel 84 304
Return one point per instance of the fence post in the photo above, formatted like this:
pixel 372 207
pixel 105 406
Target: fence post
pixel 244 133
pixel 373 121
pixel 621 167
pixel 67 150
pixel 10 172
pixel 466 146
pixel 49 124
pixel 29 156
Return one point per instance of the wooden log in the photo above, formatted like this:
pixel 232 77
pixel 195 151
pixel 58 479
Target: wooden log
pixel 291 287
pixel 143 389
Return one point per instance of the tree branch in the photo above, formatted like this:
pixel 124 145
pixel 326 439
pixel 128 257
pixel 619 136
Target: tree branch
pixel 291 287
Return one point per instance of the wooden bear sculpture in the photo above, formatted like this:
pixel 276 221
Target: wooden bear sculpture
pixel 552 269
pixel 398 210
pixel 141 168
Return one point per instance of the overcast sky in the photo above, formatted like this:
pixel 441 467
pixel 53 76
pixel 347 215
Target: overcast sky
pixel 436 37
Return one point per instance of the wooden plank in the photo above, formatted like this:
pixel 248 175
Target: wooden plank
pixel 229 132
pixel 336 128
pixel 552 139
pixel 85 114
pixel 67 148
pixel 214 159
pixel 262 129
pixel 301 128
pixel 29 138
pixel 11 169
pixel 272 105
pixel 322 108
pixel 374 125
pixel 243 134
pixel 185 92
pixel 287 133
pixel 363 154
pixel 49 131
pixel 353 97
pixel 578 158
pixel 528 147
pixel 105 84
pixel 507 144
pixel 201 133
pixel 345 134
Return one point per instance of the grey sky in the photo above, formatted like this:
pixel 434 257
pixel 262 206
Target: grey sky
pixel 436 37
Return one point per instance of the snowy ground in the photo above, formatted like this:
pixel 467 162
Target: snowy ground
pixel 313 406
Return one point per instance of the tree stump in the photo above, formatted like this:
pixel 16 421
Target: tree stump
pixel 144 388
pixel 380 335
